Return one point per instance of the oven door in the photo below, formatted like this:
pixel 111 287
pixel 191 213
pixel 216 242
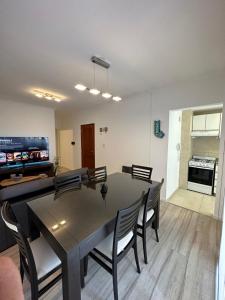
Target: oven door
pixel 200 175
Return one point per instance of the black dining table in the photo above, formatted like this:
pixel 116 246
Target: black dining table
pixel 75 221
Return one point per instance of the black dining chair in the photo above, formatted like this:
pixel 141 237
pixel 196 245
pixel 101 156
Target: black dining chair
pixel 141 172
pixel 148 215
pixel 37 259
pixel 97 174
pixel 67 181
pixel 127 169
pixel 114 247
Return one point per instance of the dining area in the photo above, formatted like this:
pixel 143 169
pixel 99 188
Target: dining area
pixel 89 219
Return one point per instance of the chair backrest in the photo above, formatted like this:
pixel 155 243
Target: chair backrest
pixel 152 199
pixel 126 221
pixel 126 169
pixel 65 181
pixel 26 255
pixel 142 172
pixel 97 174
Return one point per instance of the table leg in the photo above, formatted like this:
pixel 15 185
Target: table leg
pixel 71 276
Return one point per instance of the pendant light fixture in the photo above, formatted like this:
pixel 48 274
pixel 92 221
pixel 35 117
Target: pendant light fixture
pixel 80 87
pixel 107 95
pixel 94 90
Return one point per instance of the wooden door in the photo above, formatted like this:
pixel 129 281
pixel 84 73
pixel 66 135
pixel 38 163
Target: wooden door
pixel 88 145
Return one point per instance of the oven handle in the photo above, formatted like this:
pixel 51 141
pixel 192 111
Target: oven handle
pixel 197 167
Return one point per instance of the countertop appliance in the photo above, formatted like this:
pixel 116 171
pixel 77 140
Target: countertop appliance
pixel 201 174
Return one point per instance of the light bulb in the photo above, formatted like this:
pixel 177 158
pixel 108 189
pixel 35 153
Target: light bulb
pixel 57 100
pixel 117 98
pixel 39 95
pixel 80 87
pixel 63 222
pixel 54 227
pixel 94 91
pixel 106 95
pixel 48 97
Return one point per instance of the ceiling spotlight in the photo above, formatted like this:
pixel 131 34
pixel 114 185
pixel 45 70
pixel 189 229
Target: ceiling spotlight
pixel 117 98
pixel 47 95
pixel 63 222
pixel 106 95
pixel 39 95
pixel 94 91
pixel 80 87
pixel 54 227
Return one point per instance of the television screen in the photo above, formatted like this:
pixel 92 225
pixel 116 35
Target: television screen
pixel 15 150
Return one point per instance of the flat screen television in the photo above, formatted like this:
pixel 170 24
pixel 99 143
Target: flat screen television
pixel 19 150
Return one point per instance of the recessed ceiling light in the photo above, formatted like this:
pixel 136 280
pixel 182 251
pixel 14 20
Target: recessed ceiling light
pixel 94 91
pixel 117 98
pixel 80 87
pixel 106 95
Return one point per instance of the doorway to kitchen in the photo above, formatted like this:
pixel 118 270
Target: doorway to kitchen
pixel 193 155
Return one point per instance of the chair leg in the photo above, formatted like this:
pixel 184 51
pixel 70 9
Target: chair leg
pixel 115 283
pixel 82 282
pixel 85 265
pixel 156 233
pixel 21 272
pixel 34 290
pixel 144 246
pixel 136 257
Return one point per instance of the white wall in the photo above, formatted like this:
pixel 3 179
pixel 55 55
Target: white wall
pixel 20 119
pixel 130 138
pixel 174 139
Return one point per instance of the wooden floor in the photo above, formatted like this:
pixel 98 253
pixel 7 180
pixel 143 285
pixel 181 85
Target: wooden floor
pixel 181 266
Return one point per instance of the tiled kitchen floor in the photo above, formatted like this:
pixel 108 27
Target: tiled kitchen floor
pixel 200 203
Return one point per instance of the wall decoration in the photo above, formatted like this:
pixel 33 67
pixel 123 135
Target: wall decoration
pixel 157 129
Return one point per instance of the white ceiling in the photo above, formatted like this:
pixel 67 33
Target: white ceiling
pixel 150 43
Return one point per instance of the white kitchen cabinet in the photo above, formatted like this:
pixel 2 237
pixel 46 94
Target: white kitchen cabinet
pixel 212 121
pixel 206 125
pixel 198 122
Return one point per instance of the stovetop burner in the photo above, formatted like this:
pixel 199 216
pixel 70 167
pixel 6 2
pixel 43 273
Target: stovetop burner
pixel 204 162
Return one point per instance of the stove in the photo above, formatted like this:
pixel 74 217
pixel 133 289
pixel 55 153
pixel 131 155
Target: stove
pixel 201 174
pixel 203 162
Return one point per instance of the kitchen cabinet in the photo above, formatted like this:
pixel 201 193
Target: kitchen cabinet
pixel 206 125
pixel 212 121
pixel 198 122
